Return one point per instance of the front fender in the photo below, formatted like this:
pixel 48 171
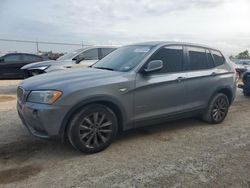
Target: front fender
pixel 93 99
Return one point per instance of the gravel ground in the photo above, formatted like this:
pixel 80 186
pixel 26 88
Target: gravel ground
pixel 185 153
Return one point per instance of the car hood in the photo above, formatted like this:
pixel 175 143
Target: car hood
pixel 73 78
pixel 45 63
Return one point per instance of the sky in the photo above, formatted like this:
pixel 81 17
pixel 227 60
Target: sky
pixel 222 24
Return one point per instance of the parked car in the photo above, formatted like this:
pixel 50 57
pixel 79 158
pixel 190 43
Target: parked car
pixel 11 63
pixel 134 86
pixel 77 59
pixel 246 83
pixel 240 70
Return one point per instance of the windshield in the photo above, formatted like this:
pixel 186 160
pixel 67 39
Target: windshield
pixel 69 56
pixel 123 59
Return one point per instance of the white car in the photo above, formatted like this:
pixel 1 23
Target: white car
pixel 84 57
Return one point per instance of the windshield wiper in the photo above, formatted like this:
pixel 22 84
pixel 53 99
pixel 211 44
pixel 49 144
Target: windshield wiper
pixel 104 68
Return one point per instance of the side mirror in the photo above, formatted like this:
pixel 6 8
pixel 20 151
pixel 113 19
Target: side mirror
pixel 154 66
pixel 77 60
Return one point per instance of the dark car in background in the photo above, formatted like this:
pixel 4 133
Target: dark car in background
pixel 246 83
pixel 240 69
pixel 241 66
pixel 10 64
pixel 80 58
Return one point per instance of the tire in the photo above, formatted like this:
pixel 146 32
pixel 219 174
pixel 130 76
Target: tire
pixel 93 128
pixel 217 109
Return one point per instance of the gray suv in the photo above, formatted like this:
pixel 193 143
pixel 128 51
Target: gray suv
pixel 134 86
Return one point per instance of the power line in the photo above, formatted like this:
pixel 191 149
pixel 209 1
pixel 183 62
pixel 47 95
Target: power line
pixel 41 42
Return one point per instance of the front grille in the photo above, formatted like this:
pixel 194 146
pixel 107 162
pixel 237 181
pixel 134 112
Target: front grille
pixel 20 94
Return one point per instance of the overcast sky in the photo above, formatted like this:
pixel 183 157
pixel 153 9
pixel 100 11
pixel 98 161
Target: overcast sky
pixel 224 24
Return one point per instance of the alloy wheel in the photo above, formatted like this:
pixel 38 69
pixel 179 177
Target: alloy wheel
pixel 220 109
pixel 95 129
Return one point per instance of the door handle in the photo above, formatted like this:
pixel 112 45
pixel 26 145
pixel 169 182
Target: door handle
pixel 179 79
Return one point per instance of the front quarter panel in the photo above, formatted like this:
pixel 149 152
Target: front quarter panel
pixel 117 90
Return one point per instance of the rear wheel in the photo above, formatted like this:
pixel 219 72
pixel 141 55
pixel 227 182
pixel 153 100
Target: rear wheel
pixel 93 128
pixel 217 109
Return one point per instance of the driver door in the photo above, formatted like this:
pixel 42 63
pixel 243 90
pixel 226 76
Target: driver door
pixel 162 93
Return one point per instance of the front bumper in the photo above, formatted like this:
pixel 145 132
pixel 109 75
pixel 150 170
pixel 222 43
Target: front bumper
pixel 41 120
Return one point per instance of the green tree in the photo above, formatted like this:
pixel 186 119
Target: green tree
pixel 243 55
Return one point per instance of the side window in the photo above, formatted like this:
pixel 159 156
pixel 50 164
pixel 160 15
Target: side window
pixel 31 58
pixel 106 51
pixel 13 58
pixel 210 61
pixel 91 54
pixel 197 58
pixel 172 57
pixel 218 58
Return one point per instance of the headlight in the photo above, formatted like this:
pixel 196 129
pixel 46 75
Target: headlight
pixel 45 97
pixel 39 68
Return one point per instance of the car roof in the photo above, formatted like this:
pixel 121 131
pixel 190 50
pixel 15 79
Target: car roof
pixel 92 47
pixel 162 43
pixel 20 53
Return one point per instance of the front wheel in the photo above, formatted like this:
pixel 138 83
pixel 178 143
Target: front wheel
pixel 217 109
pixel 93 128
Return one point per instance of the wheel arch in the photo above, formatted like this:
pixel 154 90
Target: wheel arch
pixel 110 102
pixel 226 91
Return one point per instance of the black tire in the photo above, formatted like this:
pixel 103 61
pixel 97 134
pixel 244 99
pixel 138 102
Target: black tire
pixel 93 128
pixel 217 109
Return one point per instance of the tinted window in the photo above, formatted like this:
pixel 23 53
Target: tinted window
pixel 91 54
pixel 197 58
pixel 218 58
pixel 31 58
pixel 124 59
pixel 14 57
pixel 106 51
pixel 210 61
pixel 172 57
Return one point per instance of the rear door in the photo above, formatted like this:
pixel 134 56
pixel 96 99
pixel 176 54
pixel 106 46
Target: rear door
pixel 201 77
pixel 10 66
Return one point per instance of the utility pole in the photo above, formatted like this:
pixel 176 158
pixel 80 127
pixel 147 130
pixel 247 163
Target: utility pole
pixel 82 44
pixel 37 47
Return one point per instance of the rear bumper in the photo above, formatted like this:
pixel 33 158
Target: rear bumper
pixel 41 120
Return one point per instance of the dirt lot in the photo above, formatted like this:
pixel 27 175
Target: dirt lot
pixel 186 153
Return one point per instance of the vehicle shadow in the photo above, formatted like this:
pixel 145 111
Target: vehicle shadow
pixel 30 147
pixel 166 127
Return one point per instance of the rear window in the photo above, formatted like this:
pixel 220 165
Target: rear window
pixel 31 58
pixel 197 58
pixel 218 58
pixel 210 61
